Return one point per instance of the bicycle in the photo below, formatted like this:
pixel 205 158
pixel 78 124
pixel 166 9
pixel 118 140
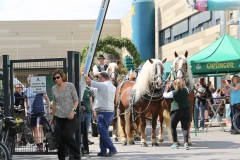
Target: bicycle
pixel 23 129
pixel 236 117
pixel 7 136
pixel 4 152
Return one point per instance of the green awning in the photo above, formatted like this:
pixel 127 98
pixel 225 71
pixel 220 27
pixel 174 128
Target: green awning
pixel 167 69
pixel 222 56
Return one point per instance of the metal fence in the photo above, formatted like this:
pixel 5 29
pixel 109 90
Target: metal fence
pixel 20 70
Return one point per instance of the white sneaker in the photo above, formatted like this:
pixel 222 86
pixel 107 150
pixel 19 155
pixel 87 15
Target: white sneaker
pixel 201 129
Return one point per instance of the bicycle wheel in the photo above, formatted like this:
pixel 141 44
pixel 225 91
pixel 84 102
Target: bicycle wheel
pixel 235 118
pixel 11 143
pixel 4 152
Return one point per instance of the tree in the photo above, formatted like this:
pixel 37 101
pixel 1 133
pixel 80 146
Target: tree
pixel 108 45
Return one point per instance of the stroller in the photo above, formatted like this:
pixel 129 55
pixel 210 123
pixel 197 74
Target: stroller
pixel 50 141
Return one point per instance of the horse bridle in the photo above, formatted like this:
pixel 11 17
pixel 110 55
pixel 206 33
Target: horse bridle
pixel 184 72
pixel 155 77
pixel 115 75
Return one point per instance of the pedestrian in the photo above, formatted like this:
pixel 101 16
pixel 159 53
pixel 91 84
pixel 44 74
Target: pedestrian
pixel 216 94
pixel 19 110
pixel 180 110
pixel 104 106
pixel 99 66
pixel 234 91
pixel 64 105
pixel 201 102
pixel 87 103
pixel 18 97
pixel 34 108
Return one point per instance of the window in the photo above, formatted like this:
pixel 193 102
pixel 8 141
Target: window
pixel 164 37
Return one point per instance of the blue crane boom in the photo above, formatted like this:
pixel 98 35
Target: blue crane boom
pixel 94 41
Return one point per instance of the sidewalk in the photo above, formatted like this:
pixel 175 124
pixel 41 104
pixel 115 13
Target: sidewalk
pixel 211 145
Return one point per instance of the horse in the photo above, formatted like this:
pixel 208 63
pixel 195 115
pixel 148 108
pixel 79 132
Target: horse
pixel 181 70
pixel 135 100
pixel 113 72
pixel 133 75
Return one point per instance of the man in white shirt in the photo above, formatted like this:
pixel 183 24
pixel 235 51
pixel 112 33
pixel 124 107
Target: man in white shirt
pixel 104 107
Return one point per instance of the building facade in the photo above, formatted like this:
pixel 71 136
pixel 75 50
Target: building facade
pixel 177 28
pixel 49 39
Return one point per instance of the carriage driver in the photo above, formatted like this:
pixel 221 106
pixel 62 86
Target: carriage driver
pixel 100 66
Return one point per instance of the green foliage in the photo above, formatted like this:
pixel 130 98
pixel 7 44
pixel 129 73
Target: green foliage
pixel 108 45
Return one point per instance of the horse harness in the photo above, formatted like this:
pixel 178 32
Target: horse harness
pixel 152 95
pixel 174 73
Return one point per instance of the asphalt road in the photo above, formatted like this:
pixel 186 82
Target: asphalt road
pixel 212 145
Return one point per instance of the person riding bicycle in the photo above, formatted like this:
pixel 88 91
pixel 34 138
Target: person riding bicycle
pixel 234 91
pixel 100 66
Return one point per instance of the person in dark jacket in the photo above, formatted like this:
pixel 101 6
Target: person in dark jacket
pixel 100 66
pixel 202 92
pixel 180 110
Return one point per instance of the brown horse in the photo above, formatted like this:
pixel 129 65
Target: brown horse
pixel 113 72
pixel 133 75
pixel 181 70
pixel 137 99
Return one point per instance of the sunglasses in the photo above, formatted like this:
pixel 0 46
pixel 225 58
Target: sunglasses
pixel 56 78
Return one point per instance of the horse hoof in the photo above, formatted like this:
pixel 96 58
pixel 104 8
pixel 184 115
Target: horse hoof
pixel 124 143
pixel 115 139
pixel 160 140
pixel 144 145
pixel 155 144
pixel 131 143
pixel 137 139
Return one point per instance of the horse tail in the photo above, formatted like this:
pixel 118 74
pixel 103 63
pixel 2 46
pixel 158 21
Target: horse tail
pixel 167 120
pixel 127 116
pixel 120 130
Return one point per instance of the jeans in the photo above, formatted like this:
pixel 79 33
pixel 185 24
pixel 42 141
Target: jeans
pixel 87 119
pixel 64 130
pixel 200 108
pixel 104 120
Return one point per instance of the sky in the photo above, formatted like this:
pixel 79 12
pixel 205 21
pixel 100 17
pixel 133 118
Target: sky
pixel 60 9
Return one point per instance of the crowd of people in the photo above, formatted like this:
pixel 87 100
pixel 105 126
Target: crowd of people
pixel 230 92
pixel 98 103
pixel 63 110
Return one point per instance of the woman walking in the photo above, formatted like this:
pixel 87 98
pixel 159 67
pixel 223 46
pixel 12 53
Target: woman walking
pixel 65 103
pixel 180 111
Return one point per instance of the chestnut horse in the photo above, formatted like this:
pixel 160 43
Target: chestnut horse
pixel 133 75
pixel 181 70
pixel 137 99
pixel 113 72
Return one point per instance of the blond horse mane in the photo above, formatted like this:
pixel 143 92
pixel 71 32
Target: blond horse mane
pixel 142 82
